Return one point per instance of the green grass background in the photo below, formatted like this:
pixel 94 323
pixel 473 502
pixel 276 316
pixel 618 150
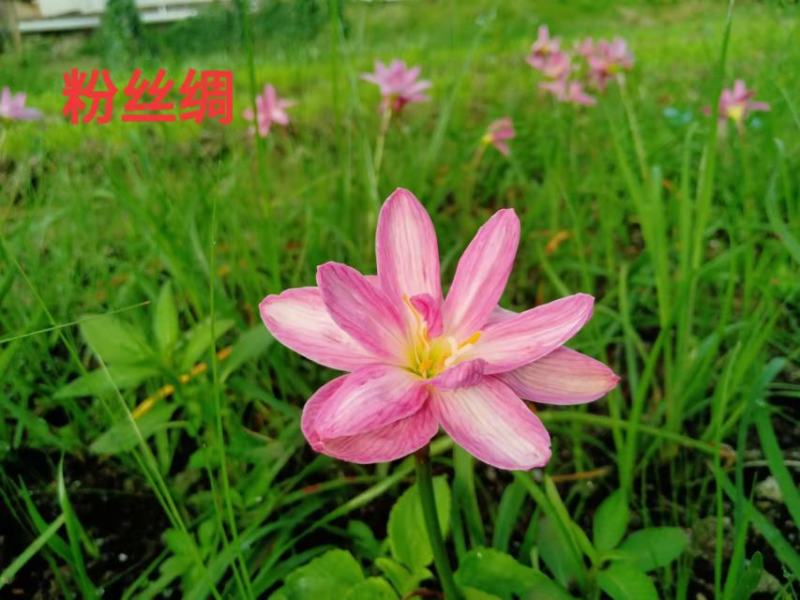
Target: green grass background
pixel 689 240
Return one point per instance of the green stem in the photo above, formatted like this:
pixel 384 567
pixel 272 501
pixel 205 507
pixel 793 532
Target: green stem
pixel 386 118
pixel 425 483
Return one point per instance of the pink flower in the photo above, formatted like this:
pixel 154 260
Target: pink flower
pixel 568 91
pixel 557 66
pixel 736 103
pixel 12 106
pixel 398 83
pixel 586 47
pixel 270 109
pixel 606 59
pixel 417 360
pixel 543 48
pixel 498 134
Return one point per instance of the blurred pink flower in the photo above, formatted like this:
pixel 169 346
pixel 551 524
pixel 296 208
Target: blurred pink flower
pixel 606 59
pixel 543 48
pixel 398 83
pixel 12 106
pixel 270 109
pixel 498 134
pixel 736 103
pixel 557 66
pixel 585 47
pixel 417 360
pixel 568 91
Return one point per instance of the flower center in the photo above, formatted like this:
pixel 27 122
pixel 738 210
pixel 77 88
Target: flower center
pixel 428 356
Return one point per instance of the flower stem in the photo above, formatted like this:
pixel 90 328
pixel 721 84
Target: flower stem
pixel 425 484
pixel 386 117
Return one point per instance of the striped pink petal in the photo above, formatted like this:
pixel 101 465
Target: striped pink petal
pixel 299 320
pixel 532 334
pixel 490 422
pixel 390 442
pixel 463 374
pixel 362 310
pixel 562 377
pixel 481 275
pixel 369 399
pixel 406 249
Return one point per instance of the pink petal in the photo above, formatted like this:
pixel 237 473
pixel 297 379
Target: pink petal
pixel 369 399
pixel 502 147
pixel 532 334
pixel 490 422
pixel 500 314
pixel 464 374
pixel 406 249
pixel 481 275
pixel 562 377
pixel 362 310
pixel 299 320
pixel 387 443
pixel 430 311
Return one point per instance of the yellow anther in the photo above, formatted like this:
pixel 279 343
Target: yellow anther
pixel 470 340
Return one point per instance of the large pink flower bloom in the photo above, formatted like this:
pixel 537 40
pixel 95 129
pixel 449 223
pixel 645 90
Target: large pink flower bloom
pixel 418 360
pixel 736 103
pixel 270 109
pixel 398 83
pixel 12 106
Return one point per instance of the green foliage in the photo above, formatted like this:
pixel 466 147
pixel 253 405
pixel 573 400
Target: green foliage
pixel 500 576
pixel 332 576
pixel 655 547
pixel 122 34
pixel 611 521
pixel 624 582
pixel 407 535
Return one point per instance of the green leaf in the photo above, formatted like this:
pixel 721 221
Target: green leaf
pixel 122 436
pixel 249 345
pixel 408 537
pixel 750 578
pixel 624 582
pixel 494 572
pixel 199 341
pixel 373 588
pixel 508 514
pixel 473 594
pixel 165 319
pixel 328 577
pixel 654 547
pixel 558 553
pixel 99 382
pixel 610 521
pixel 364 540
pixel 403 580
pixel 114 340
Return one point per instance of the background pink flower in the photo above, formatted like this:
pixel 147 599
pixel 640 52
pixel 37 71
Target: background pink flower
pixel 418 360
pixel 606 59
pixel 398 83
pixel 498 134
pixel 571 92
pixel 737 103
pixel 270 109
pixel 543 48
pixel 12 106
